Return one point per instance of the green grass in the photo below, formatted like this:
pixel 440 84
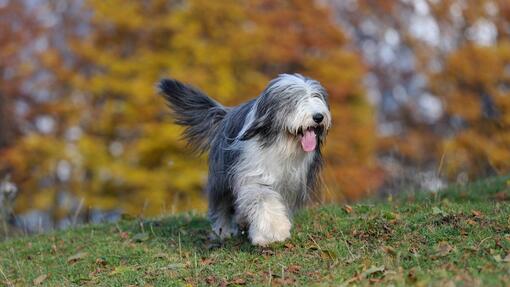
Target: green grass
pixel 459 236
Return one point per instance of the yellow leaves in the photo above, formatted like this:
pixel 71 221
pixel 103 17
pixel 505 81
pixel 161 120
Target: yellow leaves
pixel 129 153
pixel 470 85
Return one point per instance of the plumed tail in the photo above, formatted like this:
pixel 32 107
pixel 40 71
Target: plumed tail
pixel 199 114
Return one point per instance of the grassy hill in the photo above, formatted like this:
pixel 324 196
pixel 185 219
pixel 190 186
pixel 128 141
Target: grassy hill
pixel 459 236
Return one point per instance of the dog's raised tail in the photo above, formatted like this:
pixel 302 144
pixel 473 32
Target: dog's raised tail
pixel 199 114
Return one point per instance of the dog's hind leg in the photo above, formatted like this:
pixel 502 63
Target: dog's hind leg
pixel 264 210
pixel 221 215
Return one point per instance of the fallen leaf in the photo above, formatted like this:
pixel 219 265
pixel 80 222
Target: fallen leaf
pixel 328 254
pixel 289 246
pixel 140 237
pixel 161 256
pixel 283 281
pixel 390 250
pixel 238 281
pixel 294 268
pixel 348 208
pixel 470 222
pixel 476 213
pixel 502 196
pixel 101 261
pixel 54 249
pixel 78 256
pixel 206 261
pixel 442 249
pixel 210 280
pixel 124 235
pixel 40 279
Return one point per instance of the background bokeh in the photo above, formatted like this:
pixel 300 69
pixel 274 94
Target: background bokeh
pixel 420 93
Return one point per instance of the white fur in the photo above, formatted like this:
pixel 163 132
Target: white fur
pixel 268 181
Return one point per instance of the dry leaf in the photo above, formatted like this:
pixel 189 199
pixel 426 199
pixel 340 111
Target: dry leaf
pixel 101 261
pixel 390 250
pixel 238 281
pixel 289 246
pixel 77 257
pixel 206 261
pixel 294 268
pixel 348 208
pixel 476 213
pixel 40 279
pixel 210 280
pixel 161 256
pixel 124 235
pixel 442 249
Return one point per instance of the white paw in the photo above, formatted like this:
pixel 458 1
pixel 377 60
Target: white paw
pixel 225 230
pixel 264 233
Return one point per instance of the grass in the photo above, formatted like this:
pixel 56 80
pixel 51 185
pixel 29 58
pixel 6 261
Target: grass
pixel 460 236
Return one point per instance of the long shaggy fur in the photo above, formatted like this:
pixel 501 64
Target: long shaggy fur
pixel 259 173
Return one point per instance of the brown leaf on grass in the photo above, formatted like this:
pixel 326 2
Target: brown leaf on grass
pixel 412 275
pixel 210 280
pixel 294 268
pixel 40 279
pixel 442 249
pixel 161 255
pixel 476 213
pixel 54 249
pixel 390 250
pixel 471 222
pixel 124 235
pixel 328 254
pixel 283 281
pixel 238 281
pixel 206 261
pixel 289 246
pixel 267 252
pixel 348 208
pixel 502 196
pixel 101 262
pixel 75 258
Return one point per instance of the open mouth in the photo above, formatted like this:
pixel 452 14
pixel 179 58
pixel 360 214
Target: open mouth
pixel 308 137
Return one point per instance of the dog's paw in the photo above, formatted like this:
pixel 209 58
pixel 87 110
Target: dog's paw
pixel 225 230
pixel 275 230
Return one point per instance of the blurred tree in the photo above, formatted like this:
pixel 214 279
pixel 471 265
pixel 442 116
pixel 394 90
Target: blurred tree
pixel 427 63
pixel 17 30
pixel 473 82
pixel 110 140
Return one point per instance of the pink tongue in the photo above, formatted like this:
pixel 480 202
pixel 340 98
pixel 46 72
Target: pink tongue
pixel 308 141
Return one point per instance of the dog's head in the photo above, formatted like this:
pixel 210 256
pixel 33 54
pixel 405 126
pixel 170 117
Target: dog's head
pixel 295 106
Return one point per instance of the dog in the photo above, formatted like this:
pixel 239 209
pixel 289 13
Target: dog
pixel 264 155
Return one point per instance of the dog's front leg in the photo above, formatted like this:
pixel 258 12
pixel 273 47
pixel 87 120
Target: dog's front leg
pixel 265 212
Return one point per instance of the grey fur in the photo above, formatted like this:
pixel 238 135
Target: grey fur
pixel 270 125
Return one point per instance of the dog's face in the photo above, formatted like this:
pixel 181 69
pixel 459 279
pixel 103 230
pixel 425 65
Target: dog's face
pixel 295 106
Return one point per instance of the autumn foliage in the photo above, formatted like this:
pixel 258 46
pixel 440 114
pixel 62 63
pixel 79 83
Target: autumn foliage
pixel 82 125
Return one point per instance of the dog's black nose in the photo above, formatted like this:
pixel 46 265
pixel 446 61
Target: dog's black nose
pixel 318 117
